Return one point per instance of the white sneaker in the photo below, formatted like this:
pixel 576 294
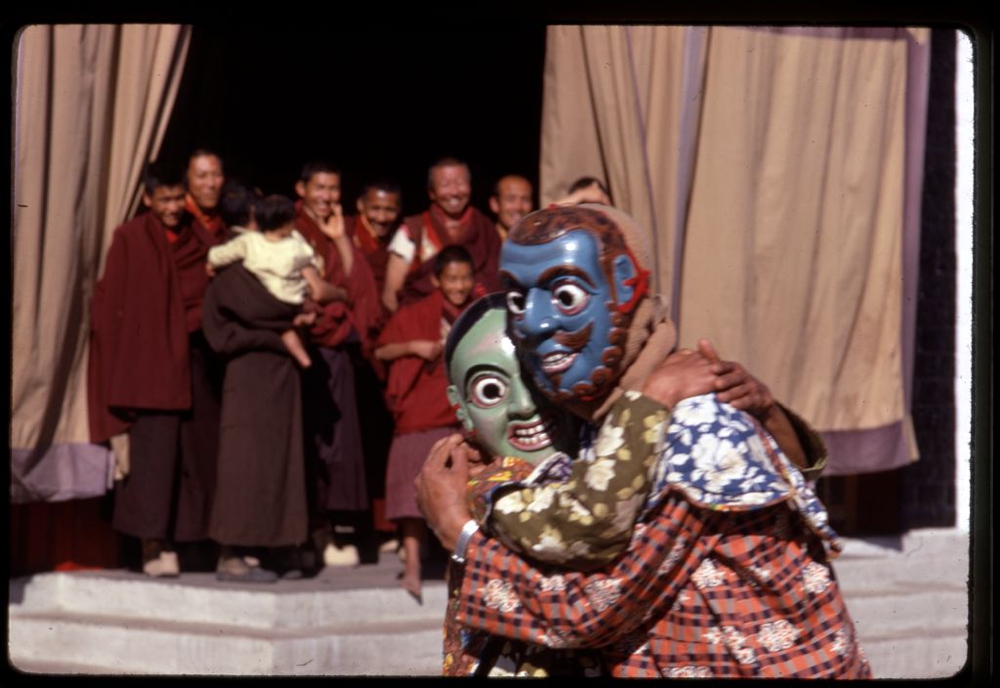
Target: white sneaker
pixel 389 546
pixel 164 566
pixel 341 556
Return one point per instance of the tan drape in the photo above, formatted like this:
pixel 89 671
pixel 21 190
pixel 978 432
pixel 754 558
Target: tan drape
pixel 92 105
pixel 621 104
pixel 775 169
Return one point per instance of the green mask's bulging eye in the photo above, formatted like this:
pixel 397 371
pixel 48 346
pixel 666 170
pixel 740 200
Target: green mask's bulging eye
pixel 487 390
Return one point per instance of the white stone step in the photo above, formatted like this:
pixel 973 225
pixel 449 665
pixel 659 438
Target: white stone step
pixel 881 616
pixel 908 597
pixel 196 598
pixel 127 645
pixel 917 657
pixel 916 545
pixel 866 575
pixel 340 623
pixel 915 583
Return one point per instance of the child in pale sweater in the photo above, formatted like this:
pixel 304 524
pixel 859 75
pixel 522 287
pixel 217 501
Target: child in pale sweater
pixel 282 260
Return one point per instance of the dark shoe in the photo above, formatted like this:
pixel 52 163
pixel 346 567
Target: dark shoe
pixel 240 570
pixel 151 548
pixel 293 563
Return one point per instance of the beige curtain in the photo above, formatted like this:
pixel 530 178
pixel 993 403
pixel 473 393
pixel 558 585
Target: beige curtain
pixel 775 169
pixel 621 104
pixel 92 105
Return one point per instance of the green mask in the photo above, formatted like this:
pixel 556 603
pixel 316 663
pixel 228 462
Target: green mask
pixel 495 403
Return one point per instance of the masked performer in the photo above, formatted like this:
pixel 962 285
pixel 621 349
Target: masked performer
pixel 532 441
pixel 726 573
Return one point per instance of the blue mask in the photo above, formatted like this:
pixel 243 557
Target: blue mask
pixel 562 310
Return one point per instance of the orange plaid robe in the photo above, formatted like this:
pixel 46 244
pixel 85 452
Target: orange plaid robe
pixel 699 593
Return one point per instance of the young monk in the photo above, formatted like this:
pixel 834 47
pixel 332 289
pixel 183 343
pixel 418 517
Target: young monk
pixel 413 341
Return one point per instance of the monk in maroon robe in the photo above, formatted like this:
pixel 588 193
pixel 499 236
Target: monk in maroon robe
pixel 371 230
pixel 510 201
pixel 335 459
pixel 204 180
pixel 449 220
pixel 260 499
pixel 151 373
pixel 374 226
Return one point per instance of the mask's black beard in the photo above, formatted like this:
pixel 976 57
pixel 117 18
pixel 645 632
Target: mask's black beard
pixel 602 379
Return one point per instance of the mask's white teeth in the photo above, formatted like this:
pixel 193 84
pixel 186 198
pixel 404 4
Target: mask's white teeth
pixel 530 437
pixel 558 361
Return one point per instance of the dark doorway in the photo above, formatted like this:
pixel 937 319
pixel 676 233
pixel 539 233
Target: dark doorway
pixel 383 101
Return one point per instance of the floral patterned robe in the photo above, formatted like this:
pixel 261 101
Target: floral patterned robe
pixel 726 573
pixel 598 519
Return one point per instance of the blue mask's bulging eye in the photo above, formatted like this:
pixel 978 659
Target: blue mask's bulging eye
pixel 570 298
pixel 515 302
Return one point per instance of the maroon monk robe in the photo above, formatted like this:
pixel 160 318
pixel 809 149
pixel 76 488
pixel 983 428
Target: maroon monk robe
pixel 334 451
pixel 336 319
pixel 370 376
pixel 478 235
pixel 190 253
pixel 139 333
pixel 374 248
pixel 417 389
pixel 212 224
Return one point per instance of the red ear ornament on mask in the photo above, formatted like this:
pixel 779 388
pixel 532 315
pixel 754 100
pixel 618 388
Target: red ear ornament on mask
pixel 639 282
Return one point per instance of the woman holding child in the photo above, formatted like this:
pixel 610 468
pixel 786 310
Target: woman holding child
pixel 252 306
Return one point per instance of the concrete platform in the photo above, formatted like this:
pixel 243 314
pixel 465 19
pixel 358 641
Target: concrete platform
pixel 907 595
pixel 344 621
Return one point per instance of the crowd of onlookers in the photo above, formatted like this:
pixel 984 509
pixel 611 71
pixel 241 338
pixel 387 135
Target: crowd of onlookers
pixel 275 362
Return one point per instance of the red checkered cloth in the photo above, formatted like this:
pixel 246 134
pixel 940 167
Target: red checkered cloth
pixel 698 593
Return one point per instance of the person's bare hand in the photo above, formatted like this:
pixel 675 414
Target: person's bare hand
pixel 478 461
pixel 684 373
pixel 310 306
pixel 304 319
pixel 426 349
pixel 441 486
pixel 341 294
pixel 390 302
pixel 737 387
pixel 209 270
pixel 588 194
pixel 334 225
pixel 742 390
